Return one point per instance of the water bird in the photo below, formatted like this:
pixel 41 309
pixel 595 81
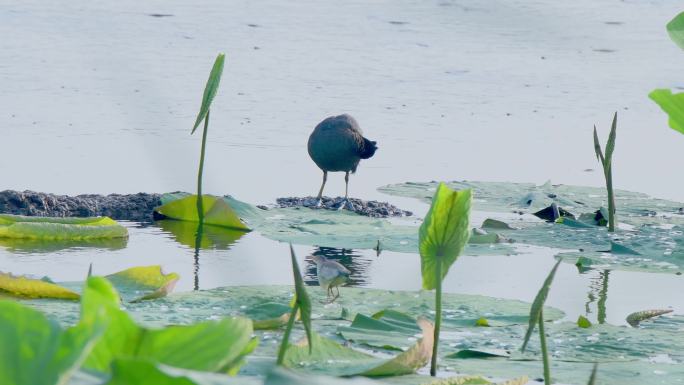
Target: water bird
pixel 337 144
pixel 331 274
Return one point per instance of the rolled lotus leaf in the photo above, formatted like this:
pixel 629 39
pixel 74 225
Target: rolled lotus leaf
pixel 59 229
pixel 635 318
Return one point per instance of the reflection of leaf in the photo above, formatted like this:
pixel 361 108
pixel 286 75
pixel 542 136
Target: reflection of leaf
pixel 23 287
pixel 219 238
pixel 217 211
pixel 37 351
pixel 676 30
pixel 144 278
pixel 23 245
pixel 58 229
pixel 672 104
pixel 332 358
pixel 208 346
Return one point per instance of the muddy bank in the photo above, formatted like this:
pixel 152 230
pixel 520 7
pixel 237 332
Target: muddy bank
pixel 139 207
pixel 133 207
pixel 372 209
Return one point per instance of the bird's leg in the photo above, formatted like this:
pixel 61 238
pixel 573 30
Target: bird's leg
pixel 336 296
pixel 319 200
pixel 346 185
pixel 345 203
pixel 327 296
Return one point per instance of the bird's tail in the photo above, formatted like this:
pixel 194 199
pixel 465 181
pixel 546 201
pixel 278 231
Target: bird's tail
pixel 369 148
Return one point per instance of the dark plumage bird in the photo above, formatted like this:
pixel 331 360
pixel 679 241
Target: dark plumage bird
pixel 337 144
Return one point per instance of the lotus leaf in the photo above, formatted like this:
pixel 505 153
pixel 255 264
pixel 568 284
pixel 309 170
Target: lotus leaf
pixel 217 211
pixel 208 346
pixel 38 351
pixel 672 104
pixel 59 229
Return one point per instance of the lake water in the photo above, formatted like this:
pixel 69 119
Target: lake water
pixel 99 97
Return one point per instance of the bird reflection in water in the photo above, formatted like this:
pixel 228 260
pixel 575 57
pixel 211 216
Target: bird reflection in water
pixel 353 261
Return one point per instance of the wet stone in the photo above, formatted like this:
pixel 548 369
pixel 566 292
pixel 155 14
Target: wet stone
pixel 373 209
pixel 133 207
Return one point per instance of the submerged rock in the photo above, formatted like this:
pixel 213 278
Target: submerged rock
pixel 372 209
pixel 134 207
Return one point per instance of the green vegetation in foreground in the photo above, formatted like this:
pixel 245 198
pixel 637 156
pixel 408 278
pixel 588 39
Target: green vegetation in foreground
pixel 37 351
pixel 209 93
pixel 607 164
pixel 537 319
pixel 675 28
pixel 149 281
pixel 443 235
pixel 302 304
pixel 673 104
pixel 19 227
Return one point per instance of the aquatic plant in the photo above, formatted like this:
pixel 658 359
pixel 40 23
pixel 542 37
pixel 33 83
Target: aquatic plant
pixel 442 237
pixel 302 304
pixel 673 104
pixel 675 28
pixel 209 93
pixel 592 378
pixel 606 162
pixel 60 229
pixel 537 319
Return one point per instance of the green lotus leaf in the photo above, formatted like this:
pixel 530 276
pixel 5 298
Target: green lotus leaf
pixel 207 346
pixel 38 351
pixel 142 279
pixel 675 28
pixel 210 89
pixel 672 104
pixel 268 315
pixel 217 211
pixel 444 232
pixel 330 357
pixel 388 329
pixel 656 238
pixel 59 229
pixel 24 287
pixel 128 371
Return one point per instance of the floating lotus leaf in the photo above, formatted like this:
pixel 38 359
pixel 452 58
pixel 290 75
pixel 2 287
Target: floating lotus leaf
pixel 654 242
pixel 330 357
pixel 59 229
pixel 217 211
pixel 25 287
pixel 147 282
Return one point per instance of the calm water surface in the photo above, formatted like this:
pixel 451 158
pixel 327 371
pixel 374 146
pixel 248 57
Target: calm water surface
pixel 99 97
